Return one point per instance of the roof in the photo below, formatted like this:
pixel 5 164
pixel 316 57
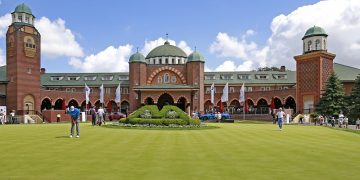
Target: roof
pixel 251 77
pixel 315 31
pixel 23 8
pixel 165 86
pixel 195 56
pixel 346 73
pixel 137 57
pixel 108 79
pixel 3 74
pixel 166 50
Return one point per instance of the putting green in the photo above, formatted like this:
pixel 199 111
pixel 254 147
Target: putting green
pixel 233 151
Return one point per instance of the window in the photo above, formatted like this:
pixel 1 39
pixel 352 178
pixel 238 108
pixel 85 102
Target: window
pixel 226 76
pixel 67 89
pixel 268 88
pixel 285 87
pixel 210 77
pixel 166 78
pixel 324 44
pixel 279 88
pixel 317 44
pixel 309 46
pixel 125 91
pixel 73 78
pixel 262 88
pixel 208 90
pixel 107 90
pixel 73 89
pixel 173 79
pixel 27 19
pixel 232 89
pixel 56 78
pixel 90 78
pixel 29 70
pixel 261 76
pixel 107 78
pixel 280 76
pixel 20 18
pixel 123 77
pixel 29 43
pixel 248 89
pixel 159 80
pixel 166 61
pixel 244 76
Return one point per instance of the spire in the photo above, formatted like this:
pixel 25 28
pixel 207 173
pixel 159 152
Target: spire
pixel 137 49
pixel 167 38
pixel 195 49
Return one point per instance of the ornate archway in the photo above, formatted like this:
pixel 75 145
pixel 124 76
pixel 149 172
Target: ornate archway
pixel 262 106
pixel 165 99
pixel 149 101
pixel 29 104
pixel 59 104
pixel 112 106
pixel 181 103
pixel 125 107
pixel 84 107
pixel 277 102
pixel 46 104
pixel 290 103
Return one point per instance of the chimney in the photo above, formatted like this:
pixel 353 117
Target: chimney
pixel 282 69
pixel 42 71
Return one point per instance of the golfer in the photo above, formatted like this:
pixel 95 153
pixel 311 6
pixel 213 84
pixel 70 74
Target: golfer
pixel 280 118
pixel 74 114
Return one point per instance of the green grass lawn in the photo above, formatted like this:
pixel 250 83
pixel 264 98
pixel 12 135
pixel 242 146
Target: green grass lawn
pixel 233 151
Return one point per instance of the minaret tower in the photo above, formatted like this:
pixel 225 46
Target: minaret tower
pixel 23 62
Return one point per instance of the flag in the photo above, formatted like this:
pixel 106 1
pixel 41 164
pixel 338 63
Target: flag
pixel 212 89
pixel 118 94
pixel 87 94
pixel 225 95
pixel 102 93
pixel 242 94
pixel 221 107
pixel 246 106
pixel 272 105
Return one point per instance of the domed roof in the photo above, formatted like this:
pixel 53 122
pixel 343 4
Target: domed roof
pixel 23 8
pixel 195 56
pixel 166 50
pixel 315 31
pixel 137 57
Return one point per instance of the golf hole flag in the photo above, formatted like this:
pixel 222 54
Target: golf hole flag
pixel 87 94
pixel 242 94
pixel 102 93
pixel 118 94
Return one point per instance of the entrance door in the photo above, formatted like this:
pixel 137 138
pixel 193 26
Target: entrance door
pixel 29 104
pixel 165 99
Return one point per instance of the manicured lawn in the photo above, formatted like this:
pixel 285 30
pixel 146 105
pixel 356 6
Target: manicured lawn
pixel 233 151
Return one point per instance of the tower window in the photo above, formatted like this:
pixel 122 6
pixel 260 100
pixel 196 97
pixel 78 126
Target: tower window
pixel 27 19
pixel 309 46
pixel 317 44
pixel 20 18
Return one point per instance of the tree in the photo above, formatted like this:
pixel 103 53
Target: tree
pixel 332 101
pixel 268 69
pixel 354 100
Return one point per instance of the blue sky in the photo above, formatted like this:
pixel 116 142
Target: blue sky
pixel 228 33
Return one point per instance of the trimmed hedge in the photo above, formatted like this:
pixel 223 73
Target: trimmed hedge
pixel 159 117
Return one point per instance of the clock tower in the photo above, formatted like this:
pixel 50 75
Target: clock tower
pixel 23 62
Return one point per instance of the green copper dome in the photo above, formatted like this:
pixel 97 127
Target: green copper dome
pixel 315 31
pixel 137 57
pixel 23 8
pixel 166 50
pixel 195 56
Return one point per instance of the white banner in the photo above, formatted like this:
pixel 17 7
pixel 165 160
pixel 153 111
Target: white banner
pixel 242 93
pixel 225 95
pixel 87 93
pixel 102 93
pixel 212 89
pixel 118 94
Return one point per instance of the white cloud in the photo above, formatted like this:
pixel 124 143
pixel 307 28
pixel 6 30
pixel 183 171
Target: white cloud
pixel 56 39
pixel 5 21
pixel 2 58
pixel 110 59
pixel 226 66
pixel 150 45
pixel 339 18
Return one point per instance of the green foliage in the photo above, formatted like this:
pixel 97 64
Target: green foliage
pixel 177 116
pixel 332 101
pixel 268 69
pixel 353 101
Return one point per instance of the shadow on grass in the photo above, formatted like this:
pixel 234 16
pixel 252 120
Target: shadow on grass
pixel 343 129
pixel 160 128
pixel 62 137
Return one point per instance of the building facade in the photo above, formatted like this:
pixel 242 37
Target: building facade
pixel 166 75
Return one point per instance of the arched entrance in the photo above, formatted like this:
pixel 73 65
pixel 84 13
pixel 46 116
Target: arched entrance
pixel 74 103
pixel 46 104
pixel 278 103
pixel 165 99
pixel 262 107
pixel 290 103
pixel 149 101
pixel 125 107
pixel 59 104
pixel 207 106
pixel 235 106
pixel 181 103
pixel 250 106
pixel 84 107
pixel 29 104
pixel 112 106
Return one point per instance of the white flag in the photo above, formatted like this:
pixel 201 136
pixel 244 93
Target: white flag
pixel 87 93
pixel 212 90
pixel 242 93
pixel 118 94
pixel 225 95
pixel 102 93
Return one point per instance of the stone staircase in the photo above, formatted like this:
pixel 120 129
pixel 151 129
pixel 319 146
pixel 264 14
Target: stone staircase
pixel 35 118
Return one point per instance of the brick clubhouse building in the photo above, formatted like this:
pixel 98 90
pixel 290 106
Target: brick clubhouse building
pixel 167 75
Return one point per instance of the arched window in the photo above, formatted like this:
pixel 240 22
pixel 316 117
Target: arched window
pixel 309 46
pixel 29 42
pixel 317 44
pixel 166 78
pixel 173 79
pixel 159 80
pixel 324 44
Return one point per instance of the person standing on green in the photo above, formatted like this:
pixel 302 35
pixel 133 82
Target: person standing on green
pixel 74 114
pixel 280 118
